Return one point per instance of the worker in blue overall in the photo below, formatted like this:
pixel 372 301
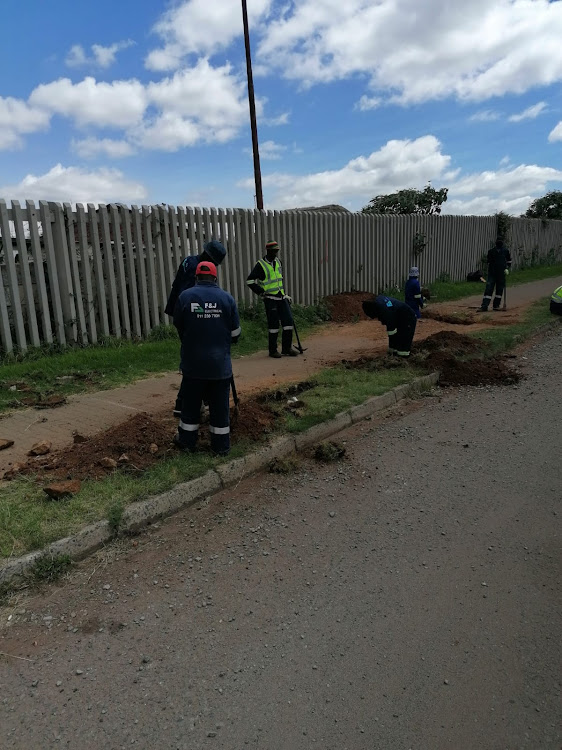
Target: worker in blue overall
pixel 207 321
pixel 413 293
pixel 266 280
pixel 400 321
pixel 499 265
pixel 185 279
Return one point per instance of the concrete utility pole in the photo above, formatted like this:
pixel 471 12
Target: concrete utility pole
pixel 257 169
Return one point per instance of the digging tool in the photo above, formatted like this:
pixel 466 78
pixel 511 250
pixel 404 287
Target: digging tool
pixel 299 345
pixel 234 395
pixel 505 294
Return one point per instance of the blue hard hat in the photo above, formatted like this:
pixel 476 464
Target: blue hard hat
pixel 215 251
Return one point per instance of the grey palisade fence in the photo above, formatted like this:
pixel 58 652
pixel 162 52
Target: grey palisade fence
pixel 75 274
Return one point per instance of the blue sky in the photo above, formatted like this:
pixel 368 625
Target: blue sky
pixel 146 102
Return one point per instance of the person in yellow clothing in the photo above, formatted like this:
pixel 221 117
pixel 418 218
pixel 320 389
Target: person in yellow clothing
pixel 556 301
pixel 266 280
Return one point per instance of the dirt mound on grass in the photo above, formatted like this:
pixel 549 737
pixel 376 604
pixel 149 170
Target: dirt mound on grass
pixel 138 443
pixel 474 371
pixel 346 307
pixel 452 342
pixel 459 319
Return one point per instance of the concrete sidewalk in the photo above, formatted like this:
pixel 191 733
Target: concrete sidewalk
pixel 91 413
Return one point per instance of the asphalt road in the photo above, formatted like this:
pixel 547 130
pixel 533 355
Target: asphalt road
pixel 406 597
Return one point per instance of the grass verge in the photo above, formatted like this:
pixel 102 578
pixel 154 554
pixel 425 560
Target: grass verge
pixel 50 371
pixel 447 291
pixel 504 338
pixel 29 521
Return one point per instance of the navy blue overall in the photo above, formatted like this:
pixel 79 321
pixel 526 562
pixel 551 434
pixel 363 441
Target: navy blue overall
pixel 413 295
pixel 400 321
pixel 207 321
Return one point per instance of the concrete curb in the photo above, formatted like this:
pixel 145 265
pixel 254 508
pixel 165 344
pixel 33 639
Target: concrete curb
pixel 142 514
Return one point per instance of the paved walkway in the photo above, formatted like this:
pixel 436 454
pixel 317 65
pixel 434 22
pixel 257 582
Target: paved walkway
pixel 91 413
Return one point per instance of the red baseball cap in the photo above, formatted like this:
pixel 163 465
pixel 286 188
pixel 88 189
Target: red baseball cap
pixel 206 269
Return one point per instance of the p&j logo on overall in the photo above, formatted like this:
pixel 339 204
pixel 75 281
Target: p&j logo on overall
pixel 210 310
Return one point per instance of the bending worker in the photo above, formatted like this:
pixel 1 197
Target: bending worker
pixel 213 252
pixel 400 321
pixel 266 280
pixel 207 321
pixel 499 263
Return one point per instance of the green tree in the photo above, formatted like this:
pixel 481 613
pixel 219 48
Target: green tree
pixel 547 207
pixel 409 201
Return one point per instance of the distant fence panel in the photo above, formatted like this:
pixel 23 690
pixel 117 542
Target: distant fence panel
pixel 74 274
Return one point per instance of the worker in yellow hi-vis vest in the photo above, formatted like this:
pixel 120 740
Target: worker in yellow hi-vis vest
pixel 556 301
pixel 266 280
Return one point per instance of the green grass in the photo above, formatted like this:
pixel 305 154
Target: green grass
pixel 338 388
pixel 504 338
pixel 117 362
pixel 447 291
pixel 29 520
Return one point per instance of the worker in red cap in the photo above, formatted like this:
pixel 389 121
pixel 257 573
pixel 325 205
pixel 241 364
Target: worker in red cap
pixel 185 279
pixel 266 280
pixel 207 321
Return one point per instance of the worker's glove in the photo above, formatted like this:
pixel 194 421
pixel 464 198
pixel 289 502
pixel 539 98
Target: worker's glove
pixel 289 299
pixel 506 272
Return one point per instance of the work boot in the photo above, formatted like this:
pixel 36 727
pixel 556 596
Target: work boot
pixel 287 344
pixel 179 444
pixel 273 346
pixel 482 309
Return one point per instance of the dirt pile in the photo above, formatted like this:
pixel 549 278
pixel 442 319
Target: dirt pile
pixel 137 444
pixel 451 342
pixel 461 361
pixel 346 307
pixel 459 319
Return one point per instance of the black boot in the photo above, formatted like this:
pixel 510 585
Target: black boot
pixel 273 346
pixel 287 344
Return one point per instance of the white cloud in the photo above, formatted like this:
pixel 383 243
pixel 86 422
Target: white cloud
pixel 76 56
pixel 368 102
pixel 269 150
pixel 396 165
pixel 102 57
pixel 485 205
pixel 88 148
pixel 77 186
pixel 167 132
pixel 520 180
pixel 18 118
pixel 486 115
pixel 200 27
pixel 472 51
pixel 203 102
pixel 402 164
pixel 282 119
pixel 119 104
pixel 530 113
pixel 556 133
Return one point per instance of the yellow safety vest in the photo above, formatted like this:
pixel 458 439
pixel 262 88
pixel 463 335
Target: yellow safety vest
pixel 557 296
pixel 273 282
